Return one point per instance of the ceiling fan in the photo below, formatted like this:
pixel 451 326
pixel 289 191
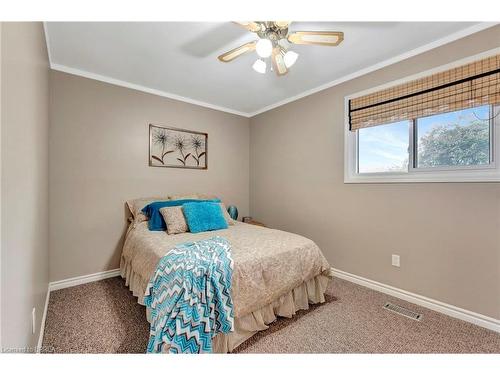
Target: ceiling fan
pixel 274 41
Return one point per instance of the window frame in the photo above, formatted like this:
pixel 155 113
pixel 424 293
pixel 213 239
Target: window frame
pixel 470 173
pixel 491 174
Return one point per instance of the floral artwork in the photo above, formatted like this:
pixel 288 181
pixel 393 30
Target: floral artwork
pixel 177 148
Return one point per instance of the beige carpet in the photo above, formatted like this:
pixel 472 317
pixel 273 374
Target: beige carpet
pixel 103 317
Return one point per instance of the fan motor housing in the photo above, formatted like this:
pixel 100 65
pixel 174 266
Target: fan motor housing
pixel 272 32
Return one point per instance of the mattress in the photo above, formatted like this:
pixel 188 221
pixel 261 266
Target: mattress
pixel 275 273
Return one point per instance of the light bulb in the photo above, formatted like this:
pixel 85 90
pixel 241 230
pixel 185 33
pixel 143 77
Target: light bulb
pixel 290 58
pixel 259 66
pixel 264 47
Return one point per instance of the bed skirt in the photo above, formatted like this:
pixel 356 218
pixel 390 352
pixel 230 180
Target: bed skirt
pixel 311 291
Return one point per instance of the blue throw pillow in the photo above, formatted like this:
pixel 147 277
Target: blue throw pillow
pixel 204 216
pixel 152 211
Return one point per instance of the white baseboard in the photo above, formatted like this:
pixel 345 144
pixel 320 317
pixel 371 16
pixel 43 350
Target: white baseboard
pixel 444 308
pixel 73 281
pixel 66 283
pixel 42 323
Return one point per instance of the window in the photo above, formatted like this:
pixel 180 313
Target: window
pixel 455 139
pixel 383 148
pixel 454 146
pixel 437 126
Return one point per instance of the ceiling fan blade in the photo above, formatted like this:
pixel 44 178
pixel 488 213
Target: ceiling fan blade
pixel 282 24
pixel 278 62
pixel 237 52
pixel 322 38
pixel 250 25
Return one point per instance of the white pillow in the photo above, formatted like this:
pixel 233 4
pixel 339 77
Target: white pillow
pixel 228 218
pixel 136 205
pixel 175 220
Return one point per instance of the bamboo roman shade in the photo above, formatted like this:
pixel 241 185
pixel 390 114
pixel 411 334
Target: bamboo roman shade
pixel 467 86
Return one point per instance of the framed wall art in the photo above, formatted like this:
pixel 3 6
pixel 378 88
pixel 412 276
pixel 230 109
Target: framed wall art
pixel 177 148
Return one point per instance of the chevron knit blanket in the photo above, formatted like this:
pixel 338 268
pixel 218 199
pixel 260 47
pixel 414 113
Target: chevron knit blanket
pixel 190 297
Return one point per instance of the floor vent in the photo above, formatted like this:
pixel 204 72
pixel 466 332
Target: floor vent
pixel 403 311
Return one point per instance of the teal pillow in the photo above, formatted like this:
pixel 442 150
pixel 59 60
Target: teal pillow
pixel 152 211
pixel 204 216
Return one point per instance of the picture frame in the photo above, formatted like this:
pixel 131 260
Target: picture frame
pixel 171 147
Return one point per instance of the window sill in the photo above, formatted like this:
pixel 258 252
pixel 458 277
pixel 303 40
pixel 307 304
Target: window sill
pixel 451 176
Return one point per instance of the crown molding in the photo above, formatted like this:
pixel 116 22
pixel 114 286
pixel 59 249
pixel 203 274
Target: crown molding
pixel 133 86
pixel 427 47
pixel 393 60
pixel 47 43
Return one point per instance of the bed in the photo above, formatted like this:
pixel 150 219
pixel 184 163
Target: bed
pixel 276 273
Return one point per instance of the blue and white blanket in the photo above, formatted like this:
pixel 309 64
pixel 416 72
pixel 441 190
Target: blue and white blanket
pixel 190 297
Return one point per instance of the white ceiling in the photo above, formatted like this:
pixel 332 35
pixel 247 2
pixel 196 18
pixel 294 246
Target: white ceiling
pixel 179 59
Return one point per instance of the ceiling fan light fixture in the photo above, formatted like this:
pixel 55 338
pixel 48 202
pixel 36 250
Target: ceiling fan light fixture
pixel 259 66
pixel 264 48
pixel 290 58
pixel 273 42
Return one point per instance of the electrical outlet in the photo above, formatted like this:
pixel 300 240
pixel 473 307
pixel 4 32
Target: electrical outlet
pixel 33 320
pixel 395 260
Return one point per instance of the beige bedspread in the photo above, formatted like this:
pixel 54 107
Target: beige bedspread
pixel 268 263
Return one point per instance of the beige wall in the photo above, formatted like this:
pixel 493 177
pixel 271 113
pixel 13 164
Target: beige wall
pixel 24 181
pixel 99 159
pixel 448 235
